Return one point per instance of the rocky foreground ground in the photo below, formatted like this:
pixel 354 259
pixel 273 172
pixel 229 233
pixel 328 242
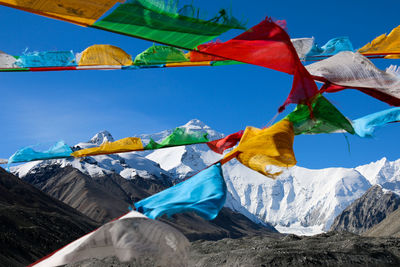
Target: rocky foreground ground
pixel 330 249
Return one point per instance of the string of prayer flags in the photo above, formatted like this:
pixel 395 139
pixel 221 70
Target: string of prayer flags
pixel 123 145
pixel 259 148
pixel 268 45
pixel 179 136
pixel 104 55
pixel 332 47
pixel 326 118
pixel 365 126
pixel 161 21
pixel 220 145
pixel 83 13
pixel 47 59
pixel 58 150
pixel 204 194
pixel 354 71
pixel 384 44
pixel 160 54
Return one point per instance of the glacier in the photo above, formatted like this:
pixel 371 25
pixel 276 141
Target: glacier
pixel 301 201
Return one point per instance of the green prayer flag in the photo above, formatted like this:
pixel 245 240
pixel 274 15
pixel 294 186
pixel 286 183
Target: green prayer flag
pixel 160 21
pixel 179 137
pixel 326 118
pixel 225 63
pixel 160 54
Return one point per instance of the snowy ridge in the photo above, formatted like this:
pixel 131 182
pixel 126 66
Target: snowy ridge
pixel 301 201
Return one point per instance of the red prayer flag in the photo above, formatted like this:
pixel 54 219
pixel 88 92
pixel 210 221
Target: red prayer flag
pixel 268 45
pixel 220 145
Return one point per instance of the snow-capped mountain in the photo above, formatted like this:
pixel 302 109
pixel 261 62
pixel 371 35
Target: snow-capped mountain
pixel 301 201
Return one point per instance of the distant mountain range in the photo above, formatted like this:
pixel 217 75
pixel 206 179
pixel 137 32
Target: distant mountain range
pixel 301 201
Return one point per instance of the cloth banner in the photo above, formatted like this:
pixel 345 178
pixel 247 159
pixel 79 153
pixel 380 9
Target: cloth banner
pixel 179 137
pixel 268 45
pixel 204 194
pixel 132 238
pixel 326 118
pixel 123 145
pixel 79 12
pixel 366 126
pixel 58 150
pixel 158 54
pixel 47 59
pixel 104 55
pixel 7 61
pixel 332 47
pixel 384 44
pixel 161 21
pixel 220 145
pixel 353 70
pixel 259 148
pixel 303 46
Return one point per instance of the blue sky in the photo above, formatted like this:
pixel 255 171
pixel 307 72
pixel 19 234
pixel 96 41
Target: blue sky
pixel 74 105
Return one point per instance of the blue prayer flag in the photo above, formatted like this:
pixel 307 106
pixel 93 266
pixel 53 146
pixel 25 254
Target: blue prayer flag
pixel 204 194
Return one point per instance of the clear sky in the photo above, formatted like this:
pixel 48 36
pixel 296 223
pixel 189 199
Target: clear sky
pixel 74 105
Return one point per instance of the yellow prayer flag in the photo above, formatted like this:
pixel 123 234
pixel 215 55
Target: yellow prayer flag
pixel 83 13
pixel 104 55
pixel 271 146
pixel 123 145
pixel 384 44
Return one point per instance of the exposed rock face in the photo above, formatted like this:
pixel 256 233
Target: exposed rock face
pixel 33 224
pixel 389 227
pixel 369 210
pixel 330 249
pixel 102 198
pixel 106 197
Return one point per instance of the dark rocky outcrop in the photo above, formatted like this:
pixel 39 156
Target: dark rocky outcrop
pixel 389 227
pixel 33 224
pixel 330 249
pixel 106 197
pixel 369 210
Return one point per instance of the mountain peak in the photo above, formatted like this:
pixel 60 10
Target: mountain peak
pixel 195 124
pixel 101 137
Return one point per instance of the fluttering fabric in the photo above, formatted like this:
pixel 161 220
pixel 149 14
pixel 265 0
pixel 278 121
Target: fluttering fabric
pixel 58 150
pixel 259 148
pixel 303 46
pixel 161 21
pixel 220 145
pixel 104 55
pixel 47 59
pixel 204 194
pixel 7 61
pixel 365 126
pixel 268 45
pixel 79 12
pixel 180 136
pixel 123 145
pixel 384 44
pixel 353 70
pixel 132 238
pixel 332 47
pixel 326 118
pixel 159 54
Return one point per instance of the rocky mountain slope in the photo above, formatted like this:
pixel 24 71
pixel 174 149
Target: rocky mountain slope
pixel 108 196
pixel 369 210
pixel 389 227
pixel 32 224
pixel 301 201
